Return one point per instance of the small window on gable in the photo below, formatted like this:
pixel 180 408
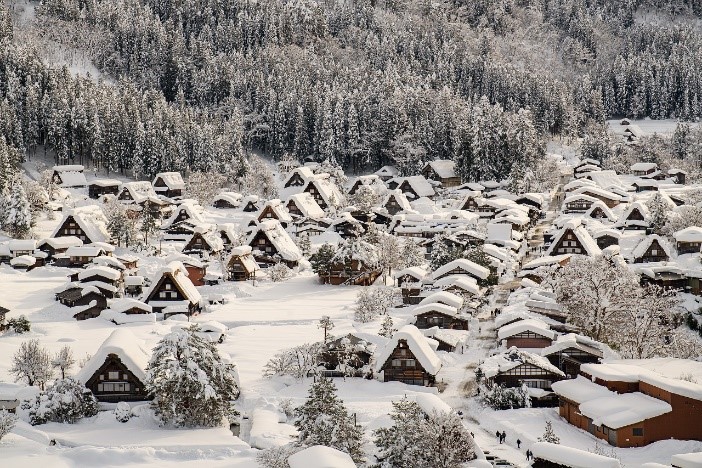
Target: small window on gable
pixel 637 431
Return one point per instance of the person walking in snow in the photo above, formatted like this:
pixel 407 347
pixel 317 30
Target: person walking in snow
pixel 498 435
pixel 504 436
pixel 519 442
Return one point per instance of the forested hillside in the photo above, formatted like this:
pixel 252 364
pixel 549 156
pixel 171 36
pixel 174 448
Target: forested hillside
pixel 194 84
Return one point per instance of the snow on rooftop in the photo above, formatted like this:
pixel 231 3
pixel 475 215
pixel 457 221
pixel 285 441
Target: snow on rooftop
pixel 521 326
pixel 105 272
pixel 418 345
pixel 444 168
pixel 319 456
pixel 573 340
pixel 127 347
pixel 443 297
pixel 90 219
pixel 580 389
pixel 466 283
pixel 641 248
pixel 687 460
pixel 173 180
pixel 281 240
pixel 572 457
pixel 514 357
pixel 690 234
pixel 307 205
pixel 431 403
pixel 435 307
pixel 619 410
pixel 466 265
pixel 416 272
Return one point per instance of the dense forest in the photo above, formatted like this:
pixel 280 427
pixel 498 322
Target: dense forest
pixel 362 83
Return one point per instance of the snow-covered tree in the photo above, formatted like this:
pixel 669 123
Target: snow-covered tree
pixel 63 360
pixel 65 401
pixel 324 420
pixel 300 362
pixel 389 254
pixel 372 302
pixel 191 382
pixel 31 364
pixel 498 397
pixel 123 412
pixel 365 198
pixel 420 440
pixel 204 186
pixel 595 291
pixel 658 213
pixel 387 329
pixel 7 422
pixel 19 324
pixel 323 260
pixel 412 255
pixel 18 221
pixel 277 457
pixel 326 324
pixel 279 272
pixel 443 253
pixel 549 436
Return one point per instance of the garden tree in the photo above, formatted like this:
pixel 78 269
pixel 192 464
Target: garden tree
pixel 65 401
pixel 645 329
pixel 19 325
pixel 420 440
pixel 119 225
pixel 324 420
pixel 305 245
pixel 299 362
pixel 595 291
pixel 680 142
pixel 549 436
pixel 18 221
pixel 204 186
pixel 37 197
pixel 63 360
pixel 658 213
pixel 389 254
pixel 412 255
pixel 365 198
pixel 31 364
pixel 191 382
pixel 149 218
pixel 279 272
pixel 322 260
pixel 387 329
pixel 443 253
pixel 277 457
pixel 326 324
pixel 7 422
pixel 498 397
pixel 372 302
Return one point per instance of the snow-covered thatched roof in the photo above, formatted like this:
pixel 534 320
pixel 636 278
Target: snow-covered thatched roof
pixel 641 248
pixel 436 307
pixel 90 219
pixel 172 180
pixel 192 210
pixel 419 184
pixel 102 271
pixel 279 210
pixel 514 357
pixel 463 282
pixel 280 239
pixel 307 205
pixel 71 175
pixel 140 191
pixel 233 198
pixel 575 341
pixel 604 208
pixel 304 172
pixel 386 171
pixel 583 237
pixel 690 234
pixel 328 190
pixel 244 254
pixel 471 268
pixel 416 272
pixel 177 271
pixel 125 303
pixel 444 168
pixel 127 347
pixel 528 325
pixel 400 198
pixel 443 297
pixel 418 345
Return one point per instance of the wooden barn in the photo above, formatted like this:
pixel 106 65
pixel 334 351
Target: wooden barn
pixel 652 248
pixel 408 358
pixel 174 291
pixel 117 370
pixel 241 265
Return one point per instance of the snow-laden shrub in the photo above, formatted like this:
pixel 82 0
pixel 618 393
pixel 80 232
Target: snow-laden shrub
pixel 372 302
pixel 299 362
pixel 279 272
pixel 123 412
pixel 66 401
pixel 19 325
pixel 7 422
pixel 499 397
pixel 277 457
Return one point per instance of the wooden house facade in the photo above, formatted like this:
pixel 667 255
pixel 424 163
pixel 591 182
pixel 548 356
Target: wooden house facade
pixel 403 366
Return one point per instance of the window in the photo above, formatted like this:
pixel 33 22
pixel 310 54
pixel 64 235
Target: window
pixel 114 387
pixel 637 431
pixel 113 375
pixel 168 286
pixel 396 362
pixel 654 252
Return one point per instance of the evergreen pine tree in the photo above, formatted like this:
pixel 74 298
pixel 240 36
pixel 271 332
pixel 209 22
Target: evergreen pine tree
pixel 387 328
pixel 18 222
pixel 191 383
pixel 324 420
pixel 658 213
pixel 549 435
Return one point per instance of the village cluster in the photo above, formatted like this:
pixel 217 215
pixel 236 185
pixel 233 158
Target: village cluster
pixel 448 271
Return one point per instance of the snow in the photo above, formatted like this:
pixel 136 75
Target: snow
pixel 444 168
pixel 620 410
pixel 469 267
pixel 90 219
pixel 418 345
pixel 572 457
pixel 103 271
pixel 515 357
pixel 443 297
pixel 432 404
pixel 307 205
pixel 687 460
pixel 417 272
pixel 126 303
pixel 173 181
pixel 690 234
pixel 319 456
pixel 465 283
pixel 521 326
pixel 281 240
pixel 580 390
pixel 643 246
pixel 267 430
pixel 23 261
pixel 127 347
pixel 435 307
